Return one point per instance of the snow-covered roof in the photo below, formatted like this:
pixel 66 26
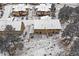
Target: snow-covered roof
pixel 20 7
pixel 45 17
pixel 44 24
pixel 29 6
pixel 47 24
pixel 43 7
pixel 15 24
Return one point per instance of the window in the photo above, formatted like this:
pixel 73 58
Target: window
pixel 40 32
pixel 50 34
pixel 36 32
pixel 53 32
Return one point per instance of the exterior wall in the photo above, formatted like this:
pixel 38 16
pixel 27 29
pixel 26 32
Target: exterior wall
pixel 48 31
pixel 15 13
pixel 42 13
pixel 14 32
pixel 19 13
pixel 11 32
pixel 34 3
pixel 1 6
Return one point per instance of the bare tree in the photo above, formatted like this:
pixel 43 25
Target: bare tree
pixel 10 41
pixel 53 10
pixel 65 12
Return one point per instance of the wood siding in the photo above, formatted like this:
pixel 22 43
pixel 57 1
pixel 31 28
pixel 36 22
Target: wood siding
pixel 42 13
pixel 46 31
pixel 14 32
pixel 10 32
pixel 19 13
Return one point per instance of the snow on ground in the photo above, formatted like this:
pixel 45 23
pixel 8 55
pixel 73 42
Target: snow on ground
pixel 7 11
pixel 43 46
pixel 1 54
pixel 38 46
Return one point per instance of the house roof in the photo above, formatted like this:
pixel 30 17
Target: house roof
pixel 43 7
pixel 20 7
pixel 47 24
pixel 45 17
pixel 29 6
pixel 15 24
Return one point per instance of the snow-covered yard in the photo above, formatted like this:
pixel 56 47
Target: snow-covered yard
pixel 40 45
pixel 37 46
pixel 43 47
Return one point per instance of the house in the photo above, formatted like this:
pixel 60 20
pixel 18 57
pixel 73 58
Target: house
pixel 1 6
pixel 45 25
pixel 34 3
pixel 20 10
pixel 1 9
pixel 43 10
pixel 17 25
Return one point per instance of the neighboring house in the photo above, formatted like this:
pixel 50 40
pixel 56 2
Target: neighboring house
pixel 1 6
pixel 17 25
pixel 43 10
pixel 34 3
pixel 1 9
pixel 20 10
